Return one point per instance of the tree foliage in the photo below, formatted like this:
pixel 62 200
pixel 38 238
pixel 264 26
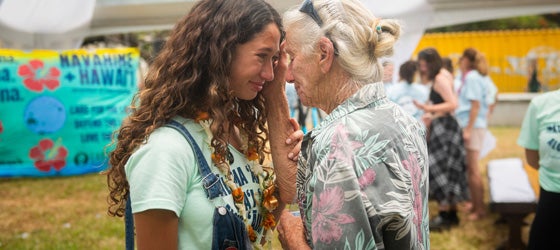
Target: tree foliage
pixel 522 22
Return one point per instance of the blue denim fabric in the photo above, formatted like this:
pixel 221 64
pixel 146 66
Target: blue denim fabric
pixel 128 226
pixel 229 230
pixel 212 184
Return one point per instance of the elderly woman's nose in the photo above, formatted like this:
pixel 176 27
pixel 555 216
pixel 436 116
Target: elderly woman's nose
pixel 289 75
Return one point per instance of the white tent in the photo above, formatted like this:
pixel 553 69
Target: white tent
pixel 63 24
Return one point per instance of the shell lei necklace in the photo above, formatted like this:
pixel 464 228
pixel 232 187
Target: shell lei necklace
pixel 266 176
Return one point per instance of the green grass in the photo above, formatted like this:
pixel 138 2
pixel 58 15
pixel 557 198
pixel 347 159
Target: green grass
pixel 57 213
pixel 70 212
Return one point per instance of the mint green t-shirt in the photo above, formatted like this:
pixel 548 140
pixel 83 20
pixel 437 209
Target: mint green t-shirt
pixel 541 131
pixel 163 174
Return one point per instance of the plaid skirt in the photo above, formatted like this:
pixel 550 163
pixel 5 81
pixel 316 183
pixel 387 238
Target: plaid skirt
pixel 447 158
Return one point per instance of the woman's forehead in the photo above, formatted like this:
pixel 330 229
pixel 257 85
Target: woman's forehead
pixel 291 41
pixel 289 44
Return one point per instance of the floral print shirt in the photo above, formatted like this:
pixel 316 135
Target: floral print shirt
pixel 363 177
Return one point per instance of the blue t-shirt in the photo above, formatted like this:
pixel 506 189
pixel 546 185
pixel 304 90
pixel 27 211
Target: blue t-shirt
pixel 473 88
pixel 492 90
pixel 403 94
pixel 541 131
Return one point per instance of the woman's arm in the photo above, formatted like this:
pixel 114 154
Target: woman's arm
pixel 473 113
pixel 291 233
pixel 156 229
pixel 532 158
pixel 444 87
pixel 280 128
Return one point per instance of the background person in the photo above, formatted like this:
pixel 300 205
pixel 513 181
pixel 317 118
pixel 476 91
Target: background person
pixel 472 115
pixel 447 64
pixel 492 96
pixel 533 85
pixel 540 136
pixel 448 180
pixel 407 90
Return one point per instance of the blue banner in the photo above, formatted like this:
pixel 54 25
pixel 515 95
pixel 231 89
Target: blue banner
pixel 59 109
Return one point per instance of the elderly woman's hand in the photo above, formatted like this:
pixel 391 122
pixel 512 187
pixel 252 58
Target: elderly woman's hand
pixel 295 140
pixel 290 232
pixel 279 81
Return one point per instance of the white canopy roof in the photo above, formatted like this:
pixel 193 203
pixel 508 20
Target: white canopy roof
pixel 63 24
pixel 117 16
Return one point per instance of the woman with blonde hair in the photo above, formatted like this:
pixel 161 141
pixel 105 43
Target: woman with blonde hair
pixel 472 115
pixel 362 179
pixel 492 96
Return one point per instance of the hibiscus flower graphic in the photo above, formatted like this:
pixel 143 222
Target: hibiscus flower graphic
pixel 48 155
pixel 367 178
pixel 327 217
pixel 343 146
pixel 1 128
pixel 411 164
pixel 36 76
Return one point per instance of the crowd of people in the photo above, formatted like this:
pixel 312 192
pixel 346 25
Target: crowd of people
pixel 209 157
pixel 455 108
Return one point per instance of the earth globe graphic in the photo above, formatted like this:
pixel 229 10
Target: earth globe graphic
pixel 44 115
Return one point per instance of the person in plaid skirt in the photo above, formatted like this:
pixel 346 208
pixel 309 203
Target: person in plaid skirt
pixel 447 171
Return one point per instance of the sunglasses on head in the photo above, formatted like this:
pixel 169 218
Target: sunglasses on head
pixel 308 9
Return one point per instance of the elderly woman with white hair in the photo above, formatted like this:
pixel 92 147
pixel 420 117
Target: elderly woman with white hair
pixel 362 179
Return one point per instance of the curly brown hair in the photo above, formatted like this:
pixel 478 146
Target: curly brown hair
pixel 191 75
pixel 433 60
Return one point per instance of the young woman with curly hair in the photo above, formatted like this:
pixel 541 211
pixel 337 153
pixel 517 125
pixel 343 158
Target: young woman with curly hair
pixel 217 77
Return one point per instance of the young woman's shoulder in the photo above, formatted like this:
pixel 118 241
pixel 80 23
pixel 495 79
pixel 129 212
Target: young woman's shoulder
pixel 445 73
pixel 443 80
pixel 169 142
pixel 167 150
pixel 167 138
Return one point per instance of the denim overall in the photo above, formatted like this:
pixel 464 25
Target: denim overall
pixel 229 230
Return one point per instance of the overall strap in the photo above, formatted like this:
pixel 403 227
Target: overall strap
pixel 128 225
pixel 212 184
